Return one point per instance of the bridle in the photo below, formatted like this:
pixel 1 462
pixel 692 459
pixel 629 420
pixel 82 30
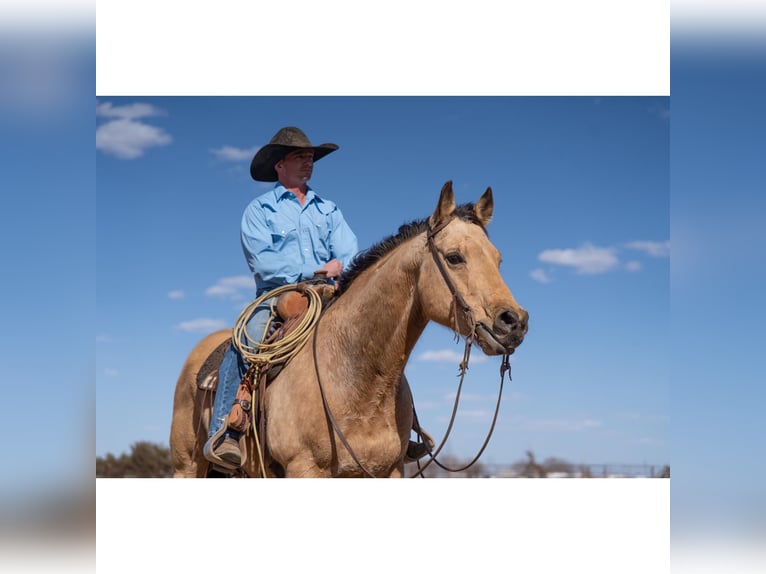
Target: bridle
pixel 461 311
pixel 463 316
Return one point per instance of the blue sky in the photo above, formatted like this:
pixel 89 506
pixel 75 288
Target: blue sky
pixel 581 190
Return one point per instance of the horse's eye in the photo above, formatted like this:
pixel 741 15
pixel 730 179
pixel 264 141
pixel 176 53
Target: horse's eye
pixel 454 258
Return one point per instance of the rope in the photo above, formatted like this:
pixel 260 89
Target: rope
pixel 255 436
pixel 263 354
pixel 284 349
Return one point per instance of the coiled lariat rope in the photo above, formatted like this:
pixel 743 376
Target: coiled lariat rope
pixel 261 354
pixel 258 352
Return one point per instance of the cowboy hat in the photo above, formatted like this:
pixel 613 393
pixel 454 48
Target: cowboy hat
pixel 284 141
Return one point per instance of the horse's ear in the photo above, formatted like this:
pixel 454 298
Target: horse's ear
pixel 446 205
pixel 484 207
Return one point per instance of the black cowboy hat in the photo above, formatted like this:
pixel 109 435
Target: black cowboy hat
pixel 286 140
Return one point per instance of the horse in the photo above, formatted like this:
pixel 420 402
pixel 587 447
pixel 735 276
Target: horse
pixel 347 381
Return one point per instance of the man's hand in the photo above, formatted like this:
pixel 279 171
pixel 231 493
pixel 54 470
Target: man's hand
pixel 333 268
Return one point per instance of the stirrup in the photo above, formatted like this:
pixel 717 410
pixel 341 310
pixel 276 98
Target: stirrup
pixel 208 450
pixel 417 450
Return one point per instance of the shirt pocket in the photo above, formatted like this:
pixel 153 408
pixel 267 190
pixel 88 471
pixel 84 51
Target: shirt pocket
pixel 282 233
pixel 321 238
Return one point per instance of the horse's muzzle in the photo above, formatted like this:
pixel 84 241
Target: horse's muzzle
pixel 507 332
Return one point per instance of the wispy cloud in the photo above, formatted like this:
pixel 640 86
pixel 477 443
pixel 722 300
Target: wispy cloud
pixel 231 153
pixel 238 287
pixel 540 275
pixel 653 248
pixel 128 112
pixel 587 259
pixel 202 325
pixel 103 338
pixel 176 294
pixel 125 137
pixel 448 356
pixel 111 372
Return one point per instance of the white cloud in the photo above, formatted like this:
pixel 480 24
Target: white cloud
pixel 653 248
pixel 129 112
pixel 103 338
pixel 633 266
pixel 239 287
pixel 128 139
pixel 111 373
pixel 203 325
pixel 587 259
pixel 540 275
pixel 176 294
pixel 230 153
pixel 125 137
pixel 449 356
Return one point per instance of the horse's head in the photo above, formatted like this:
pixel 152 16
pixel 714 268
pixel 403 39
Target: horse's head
pixel 462 279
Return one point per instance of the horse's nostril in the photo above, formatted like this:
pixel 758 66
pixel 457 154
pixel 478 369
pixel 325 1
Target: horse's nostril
pixel 506 320
pixel 511 323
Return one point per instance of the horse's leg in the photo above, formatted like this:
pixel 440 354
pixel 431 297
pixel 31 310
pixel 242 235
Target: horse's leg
pixel 187 438
pixel 304 467
pixel 397 471
pixel 182 429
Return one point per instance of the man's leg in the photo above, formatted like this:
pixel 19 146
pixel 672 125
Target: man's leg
pixel 222 447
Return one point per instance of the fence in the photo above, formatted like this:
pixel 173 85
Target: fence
pixel 480 470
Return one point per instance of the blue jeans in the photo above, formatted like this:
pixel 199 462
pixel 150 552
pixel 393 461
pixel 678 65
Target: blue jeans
pixel 233 368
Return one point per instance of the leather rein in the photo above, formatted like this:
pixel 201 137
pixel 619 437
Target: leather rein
pixel 463 316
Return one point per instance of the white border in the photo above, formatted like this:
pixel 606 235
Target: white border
pixel 397 47
pixel 483 525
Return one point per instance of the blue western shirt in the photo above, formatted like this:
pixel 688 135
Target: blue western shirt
pixel 285 242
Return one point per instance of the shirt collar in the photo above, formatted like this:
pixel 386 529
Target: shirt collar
pixel 281 192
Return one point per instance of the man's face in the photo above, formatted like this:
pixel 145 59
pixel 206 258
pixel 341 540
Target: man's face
pixel 296 167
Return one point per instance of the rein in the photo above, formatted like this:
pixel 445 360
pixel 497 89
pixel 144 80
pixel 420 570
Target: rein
pixel 505 366
pixel 331 422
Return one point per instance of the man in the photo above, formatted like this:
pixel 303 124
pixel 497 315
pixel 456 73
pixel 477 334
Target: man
pixel 288 234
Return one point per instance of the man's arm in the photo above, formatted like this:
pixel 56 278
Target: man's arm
pixel 343 243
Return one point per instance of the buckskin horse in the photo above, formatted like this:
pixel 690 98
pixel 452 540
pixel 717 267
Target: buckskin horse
pixel 443 269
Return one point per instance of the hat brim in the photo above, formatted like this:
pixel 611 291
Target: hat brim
pixel 262 166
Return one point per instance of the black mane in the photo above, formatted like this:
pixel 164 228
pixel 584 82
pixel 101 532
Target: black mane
pixel 370 256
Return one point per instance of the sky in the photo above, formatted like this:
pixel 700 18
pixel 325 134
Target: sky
pixel 581 189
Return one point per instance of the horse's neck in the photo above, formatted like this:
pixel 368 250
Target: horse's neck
pixel 380 314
